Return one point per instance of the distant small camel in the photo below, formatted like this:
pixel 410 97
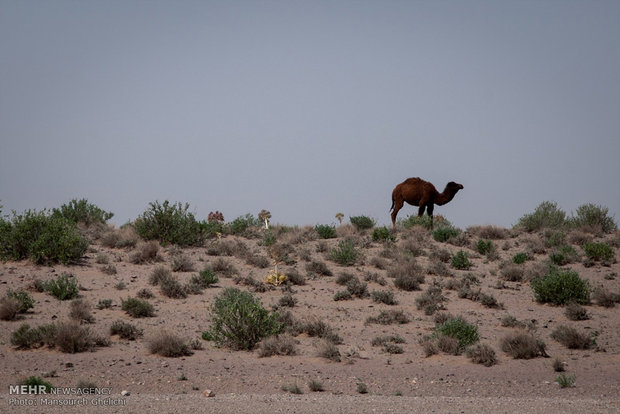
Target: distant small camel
pixel 418 192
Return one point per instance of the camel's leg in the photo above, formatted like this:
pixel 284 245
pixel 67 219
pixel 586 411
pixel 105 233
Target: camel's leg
pixel 429 210
pixel 398 204
pixel 421 210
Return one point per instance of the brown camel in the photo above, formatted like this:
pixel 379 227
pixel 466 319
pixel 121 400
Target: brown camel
pixel 418 192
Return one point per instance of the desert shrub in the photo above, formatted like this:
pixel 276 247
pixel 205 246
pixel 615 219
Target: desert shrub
pixel 409 282
pixel 205 278
pixel 512 273
pixel 241 224
pixel 343 295
pixel 458 328
pixel 566 381
pixel 23 299
pixel 142 294
pixel 561 287
pixel 604 298
pixel 125 330
pixel 546 215
pixel 296 278
pixel 171 288
pixel 598 251
pixel 182 263
pixel 522 345
pixel 424 221
pixel 81 211
pixel 104 304
pixel 9 307
pixel 564 255
pixel 239 321
pixel 124 237
pixel 489 232
pixel 430 300
pixel 448 344
pixel 146 253
pixel 26 337
pixel 488 301
pixel 317 328
pixel 482 354
pixel 571 338
pixel 170 224
pixel 389 317
pixel 36 382
pixel 325 231
pixel 558 365
pixel 344 278
pixel 444 233
pixel 316 386
pixel 576 312
pixel 383 296
pixel 168 345
pixel 319 268
pixel 357 288
pixel 382 340
pixel 554 238
pixel 287 300
pixel 519 258
pixel 62 288
pixel 382 234
pixel 137 308
pixel 72 338
pixel 407 274
pixel 41 237
pixel 429 345
pixel 277 345
pixel 345 254
pixel 362 222
pixel 591 215
pixel 328 350
pixel 223 267
pixel 158 275
pixel 484 246
pixel 80 311
pixel 461 260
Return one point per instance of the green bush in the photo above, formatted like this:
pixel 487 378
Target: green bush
pixel 598 251
pixel 81 211
pixel 461 260
pixel 442 234
pixel 26 337
pixel 546 215
pixel 362 222
pixel 23 298
pixel 484 246
pixel 345 254
pixel 564 255
pixel 593 216
pixel 205 278
pixel 519 258
pixel 170 224
pixel 382 234
pixel 42 237
pixel 561 287
pixel 239 321
pixel 36 382
pixel 239 225
pixel 65 287
pixel 137 308
pixel 325 231
pixel 458 328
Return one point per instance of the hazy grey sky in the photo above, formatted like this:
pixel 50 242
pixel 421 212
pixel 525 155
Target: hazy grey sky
pixel 309 108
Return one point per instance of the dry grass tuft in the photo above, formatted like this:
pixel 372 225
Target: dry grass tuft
pixel 168 345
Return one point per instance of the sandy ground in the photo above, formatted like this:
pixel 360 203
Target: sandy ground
pixel 243 381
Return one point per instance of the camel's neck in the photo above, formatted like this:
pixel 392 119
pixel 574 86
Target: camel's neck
pixel 445 197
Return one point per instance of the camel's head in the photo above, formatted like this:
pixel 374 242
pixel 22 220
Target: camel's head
pixel 454 187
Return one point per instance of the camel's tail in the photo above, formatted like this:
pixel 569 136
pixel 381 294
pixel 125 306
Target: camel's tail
pixel 392 208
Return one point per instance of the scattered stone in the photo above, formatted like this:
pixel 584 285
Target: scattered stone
pixel 125 393
pixel 208 393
